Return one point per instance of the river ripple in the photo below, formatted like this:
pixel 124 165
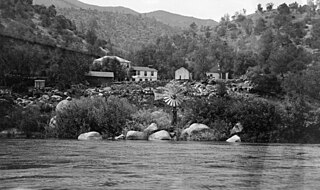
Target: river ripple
pixel 66 164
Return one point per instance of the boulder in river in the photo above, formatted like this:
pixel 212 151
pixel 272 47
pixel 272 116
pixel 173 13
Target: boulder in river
pixel 193 128
pixel 90 136
pixel 151 129
pixel 160 135
pixel 53 122
pixel 236 129
pixel 120 137
pixel 136 135
pixel 234 138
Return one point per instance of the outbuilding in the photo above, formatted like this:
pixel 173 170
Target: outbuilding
pixel 182 74
pixel 97 78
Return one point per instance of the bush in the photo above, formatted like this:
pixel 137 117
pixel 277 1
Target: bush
pixel 259 117
pixel 93 114
pixel 143 118
pixel 30 120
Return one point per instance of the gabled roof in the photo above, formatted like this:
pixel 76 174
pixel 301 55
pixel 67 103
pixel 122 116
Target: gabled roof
pixel 182 68
pixel 100 74
pixel 144 69
pixel 121 60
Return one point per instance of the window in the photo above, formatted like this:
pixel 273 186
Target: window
pixel 152 73
pixel 145 73
pixel 138 73
pixel 141 80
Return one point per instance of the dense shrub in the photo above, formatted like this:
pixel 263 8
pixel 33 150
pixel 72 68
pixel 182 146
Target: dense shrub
pixel 259 117
pixel 143 118
pixel 93 114
pixel 30 120
pixel 301 122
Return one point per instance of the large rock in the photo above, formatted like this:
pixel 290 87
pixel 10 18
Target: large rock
pixel 236 129
pixel 196 127
pixel 234 138
pixel 120 137
pixel 53 122
pixel 62 105
pixel 90 136
pixel 160 135
pixel 151 129
pixel 11 133
pixel 136 135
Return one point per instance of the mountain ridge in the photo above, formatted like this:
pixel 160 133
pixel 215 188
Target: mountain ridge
pixel 171 19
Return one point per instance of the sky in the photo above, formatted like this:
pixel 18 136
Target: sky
pixel 204 9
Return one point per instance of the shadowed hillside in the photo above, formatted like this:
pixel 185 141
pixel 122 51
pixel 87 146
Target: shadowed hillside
pixel 126 31
pixel 78 4
pixel 180 21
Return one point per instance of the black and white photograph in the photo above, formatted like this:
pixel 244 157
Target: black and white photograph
pixel 159 94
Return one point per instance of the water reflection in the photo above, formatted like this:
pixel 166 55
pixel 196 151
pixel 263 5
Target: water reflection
pixel 52 164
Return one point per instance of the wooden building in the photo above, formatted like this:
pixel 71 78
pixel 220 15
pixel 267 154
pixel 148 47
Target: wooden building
pixel 182 74
pixel 97 78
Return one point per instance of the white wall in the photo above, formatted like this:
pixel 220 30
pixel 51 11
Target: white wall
pixel 213 75
pixel 182 74
pixel 148 77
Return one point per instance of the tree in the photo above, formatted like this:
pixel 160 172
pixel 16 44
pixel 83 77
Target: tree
pixel 294 6
pixel 260 26
pixel 91 36
pixel 269 6
pixel 303 84
pixel 283 9
pixel 260 9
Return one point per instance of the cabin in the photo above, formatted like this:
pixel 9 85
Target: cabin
pixel 96 78
pixel 144 74
pixel 182 74
pixel 39 84
pixel 216 73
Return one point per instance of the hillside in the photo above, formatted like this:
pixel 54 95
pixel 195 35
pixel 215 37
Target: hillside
pixel 126 31
pixel 40 25
pixel 171 19
pixel 180 21
pixel 78 4
pixel 243 32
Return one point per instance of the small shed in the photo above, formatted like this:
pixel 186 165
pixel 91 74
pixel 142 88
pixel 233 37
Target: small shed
pixel 39 84
pixel 98 78
pixel 182 74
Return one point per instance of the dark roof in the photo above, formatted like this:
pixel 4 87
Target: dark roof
pixel 214 69
pixel 143 69
pixel 100 74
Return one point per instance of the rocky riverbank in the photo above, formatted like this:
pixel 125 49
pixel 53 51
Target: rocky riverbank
pixel 49 112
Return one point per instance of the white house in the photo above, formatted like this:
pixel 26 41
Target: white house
pixel 216 73
pixel 144 74
pixel 182 74
pixel 123 62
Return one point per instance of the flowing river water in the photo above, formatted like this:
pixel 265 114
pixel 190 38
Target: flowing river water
pixel 71 164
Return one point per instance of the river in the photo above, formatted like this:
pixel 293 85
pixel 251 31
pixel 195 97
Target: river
pixel 71 164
